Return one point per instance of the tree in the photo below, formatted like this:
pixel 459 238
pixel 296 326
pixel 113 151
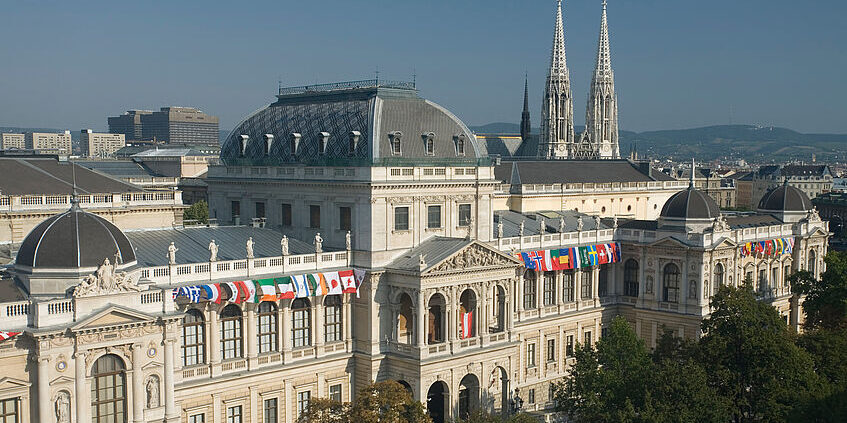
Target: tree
pixel 324 410
pixel 387 402
pixel 198 211
pixel 825 303
pixel 751 359
pixel 480 416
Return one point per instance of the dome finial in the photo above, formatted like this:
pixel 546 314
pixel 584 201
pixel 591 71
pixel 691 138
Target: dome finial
pixel 74 199
pixel 691 181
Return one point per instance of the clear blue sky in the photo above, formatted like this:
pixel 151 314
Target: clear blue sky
pixel 678 63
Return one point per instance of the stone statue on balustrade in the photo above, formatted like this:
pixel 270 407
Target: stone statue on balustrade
pixel 250 247
pixel 213 251
pixel 284 245
pixel 319 242
pixel 172 253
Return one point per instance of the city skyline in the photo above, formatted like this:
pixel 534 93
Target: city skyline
pixel 677 66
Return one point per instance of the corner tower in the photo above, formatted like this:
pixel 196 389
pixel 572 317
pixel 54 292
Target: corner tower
pixel 557 136
pixel 601 113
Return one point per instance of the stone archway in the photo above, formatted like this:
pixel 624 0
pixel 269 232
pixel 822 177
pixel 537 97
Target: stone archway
pixel 437 402
pixel 468 395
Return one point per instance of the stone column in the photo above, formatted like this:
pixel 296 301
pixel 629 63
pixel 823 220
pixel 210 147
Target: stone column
pixel 251 334
pixel 285 313
pixel 214 341
pixel 420 318
pixel 539 292
pixel 171 413
pixel 347 322
pixel 450 310
pixel 577 288
pixel 508 314
pixel 519 296
pixel 138 393
pixel 595 285
pixel 318 321
pixel 560 288
pixel 45 403
pixel 482 323
pixel 83 403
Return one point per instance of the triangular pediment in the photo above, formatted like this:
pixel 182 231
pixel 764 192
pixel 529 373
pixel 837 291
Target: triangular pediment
pixel 475 255
pixel 62 380
pixel 669 242
pixel 724 242
pixel 113 316
pixel 8 383
pixel 151 365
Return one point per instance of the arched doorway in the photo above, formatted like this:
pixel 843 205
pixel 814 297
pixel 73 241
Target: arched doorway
pixel 108 390
pixel 435 319
pixel 407 387
pixel 499 384
pixel 436 402
pixel 467 314
pixel 499 314
pixel 468 395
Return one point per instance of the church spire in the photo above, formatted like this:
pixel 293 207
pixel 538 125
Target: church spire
pixel 525 122
pixel 557 110
pixel 601 114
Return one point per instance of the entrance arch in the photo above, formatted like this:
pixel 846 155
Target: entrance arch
pixel 437 402
pixel 407 387
pixel 468 395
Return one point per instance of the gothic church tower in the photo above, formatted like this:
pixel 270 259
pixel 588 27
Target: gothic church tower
pixel 557 135
pixel 601 113
pixel 526 125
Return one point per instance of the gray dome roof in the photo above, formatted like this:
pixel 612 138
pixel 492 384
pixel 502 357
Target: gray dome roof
pixel 785 198
pixel 74 239
pixel 690 204
pixel 340 110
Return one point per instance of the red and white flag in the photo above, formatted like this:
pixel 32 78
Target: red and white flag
pixel 348 281
pixel 6 335
pixel 467 322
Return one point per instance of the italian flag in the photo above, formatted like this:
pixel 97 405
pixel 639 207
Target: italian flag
pixel 286 287
pixel 267 290
pixel 347 281
pixel 317 283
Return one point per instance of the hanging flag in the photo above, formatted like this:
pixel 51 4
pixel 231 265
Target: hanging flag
pixel 317 284
pixel 286 287
pixel 467 322
pixel 559 260
pixel 6 335
pixel 617 251
pixel 789 245
pixel 249 291
pixel 349 281
pixel 267 290
pixel 573 255
pixel 602 255
pixel 547 260
pixel 234 296
pixel 302 286
pixel 333 282
pixel 584 259
pixel 528 261
pixel 174 293
pixel 213 292
pixel 359 274
pixel 592 254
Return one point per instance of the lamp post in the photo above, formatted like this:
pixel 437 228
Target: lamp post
pixel 516 402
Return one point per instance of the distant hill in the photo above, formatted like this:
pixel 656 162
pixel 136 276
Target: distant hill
pixel 721 141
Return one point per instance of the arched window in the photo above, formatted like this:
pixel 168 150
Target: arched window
pixel 670 283
pixel 333 324
pixel 301 311
pixel 405 323
pixel 549 288
pixel 499 309
pixel 467 314
pixel 435 319
pixel 267 327
pixel 460 145
pixel 108 390
pixel 193 338
pixel 529 290
pixel 394 139
pixel 630 278
pixel 718 277
pixel 231 332
pixel 810 266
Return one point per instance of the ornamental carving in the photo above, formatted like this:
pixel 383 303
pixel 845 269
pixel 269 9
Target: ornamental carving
pixel 473 256
pixel 105 280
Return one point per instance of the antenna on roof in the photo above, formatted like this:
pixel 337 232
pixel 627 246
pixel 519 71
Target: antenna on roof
pixel 414 77
pixel 691 182
pixel 377 75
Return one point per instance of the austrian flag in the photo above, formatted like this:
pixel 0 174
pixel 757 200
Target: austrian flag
pixel 6 335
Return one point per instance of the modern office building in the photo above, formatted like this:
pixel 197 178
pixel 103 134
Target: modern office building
pixel 129 124
pixel 171 125
pixel 9 141
pixel 60 143
pixel 93 144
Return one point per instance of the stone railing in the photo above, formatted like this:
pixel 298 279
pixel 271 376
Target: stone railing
pixel 15 203
pixel 595 187
pixel 244 268
pixel 547 241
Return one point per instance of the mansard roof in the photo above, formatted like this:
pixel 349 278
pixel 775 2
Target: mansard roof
pixel 49 176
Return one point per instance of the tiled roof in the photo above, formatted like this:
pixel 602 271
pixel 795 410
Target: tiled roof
pixel 573 172
pixel 49 176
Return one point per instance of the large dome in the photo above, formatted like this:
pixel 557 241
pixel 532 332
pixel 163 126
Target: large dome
pixel 785 198
pixel 318 124
pixel 72 240
pixel 690 204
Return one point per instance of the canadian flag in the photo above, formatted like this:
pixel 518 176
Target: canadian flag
pixel 348 281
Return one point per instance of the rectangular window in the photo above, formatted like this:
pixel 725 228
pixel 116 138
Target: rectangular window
pixel 401 218
pixel 588 337
pixel 604 332
pixel 197 418
pixel 551 350
pixel 585 285
pixel 9 411
pixel 464 214
pixel 260 209
pixel 763 280
pixel 569 346
pixel 433 217
pixel 332 325
pixel 335 392
pixel 530 355
pixel 345 218
pixel 285 213
pixel 303 401
pixel 567 286
pixel 302 328
pixel 314 216
pixel 548 293
pixel 531 396
pixel 236 209
pixel 233 414
pixel 271 411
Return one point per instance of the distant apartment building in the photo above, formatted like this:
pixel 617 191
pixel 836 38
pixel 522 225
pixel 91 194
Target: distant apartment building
pixel 59 143
pixel 722 190
pixel 129 124
pixel 9 141
pixel 171 125
pixel 93 144
pixel 813 180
